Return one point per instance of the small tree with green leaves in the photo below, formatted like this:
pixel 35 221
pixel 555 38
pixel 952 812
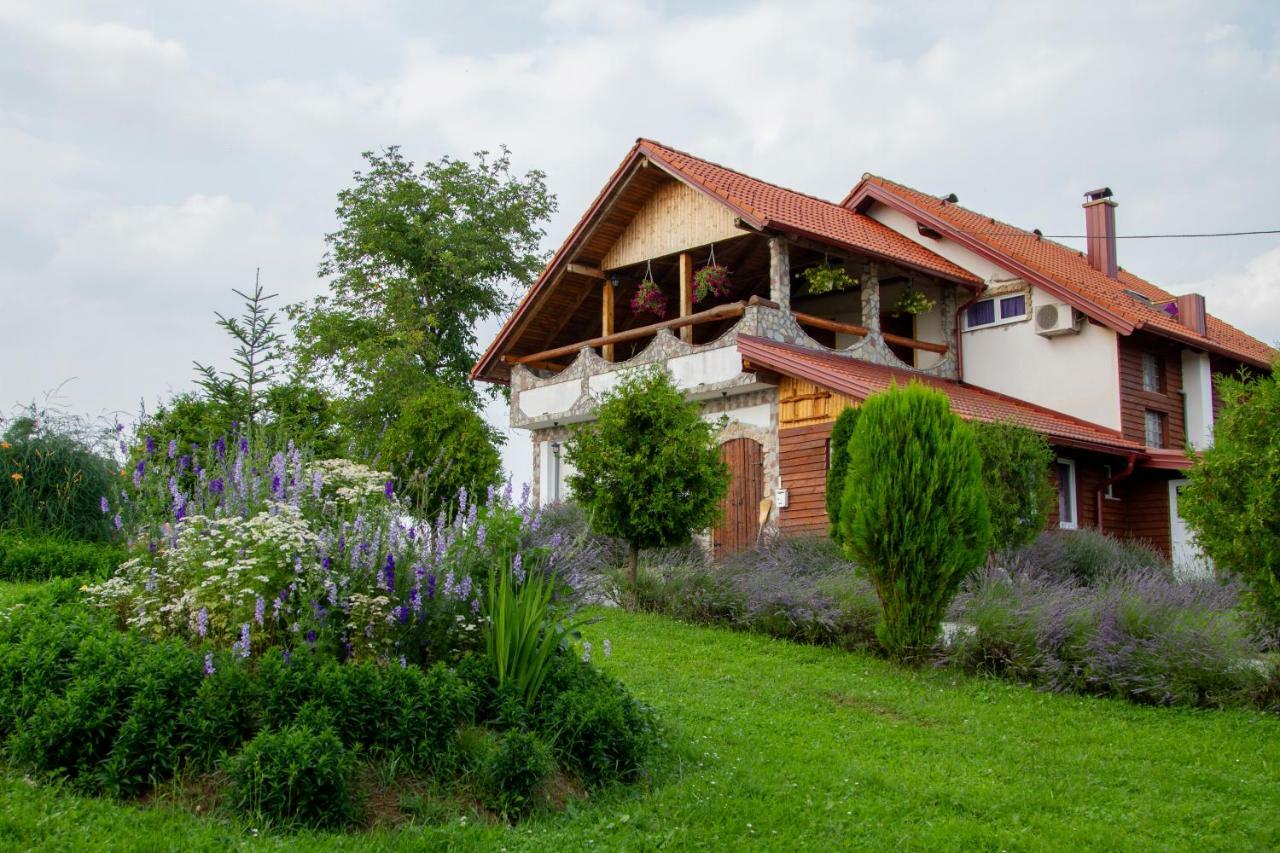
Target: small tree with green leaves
pixel 256 357
pixel 914 513
pixel 649 470
pixel 839 447
pixel 1015 473
pixel 1233 500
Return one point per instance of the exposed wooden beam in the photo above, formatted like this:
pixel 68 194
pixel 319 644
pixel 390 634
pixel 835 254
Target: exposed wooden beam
pixel 606 318
pixel 711 315
pixel 583 269
pixel 686 294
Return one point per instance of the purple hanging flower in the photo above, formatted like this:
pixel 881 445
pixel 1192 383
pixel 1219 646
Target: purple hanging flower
pixel 202 622
pixel 102 502
pixel 208 665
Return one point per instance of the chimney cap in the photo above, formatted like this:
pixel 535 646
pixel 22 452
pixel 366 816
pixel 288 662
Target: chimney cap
pixel 1098 194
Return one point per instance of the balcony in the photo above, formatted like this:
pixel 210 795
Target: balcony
pixel 562 384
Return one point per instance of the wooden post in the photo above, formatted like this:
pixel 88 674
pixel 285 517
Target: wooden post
pixel 606 318
pixel 780 273
pixel 686 294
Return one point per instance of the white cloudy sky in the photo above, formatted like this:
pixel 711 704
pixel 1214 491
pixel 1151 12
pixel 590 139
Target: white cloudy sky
pixel 152 154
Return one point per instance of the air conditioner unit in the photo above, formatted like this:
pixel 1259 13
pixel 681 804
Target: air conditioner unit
pixel 1056 318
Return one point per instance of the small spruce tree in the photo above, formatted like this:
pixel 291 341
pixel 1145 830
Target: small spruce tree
pixel 914 513
pixel 1015 473
pixel 840 432
pixel 1233 500
pixel 648 468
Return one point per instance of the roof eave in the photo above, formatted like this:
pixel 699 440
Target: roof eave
pixel 869 190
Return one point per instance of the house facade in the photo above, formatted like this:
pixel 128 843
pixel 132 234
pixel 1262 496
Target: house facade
pixel 1114 371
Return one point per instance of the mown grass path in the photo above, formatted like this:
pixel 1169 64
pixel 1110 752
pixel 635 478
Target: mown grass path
pixel 779 746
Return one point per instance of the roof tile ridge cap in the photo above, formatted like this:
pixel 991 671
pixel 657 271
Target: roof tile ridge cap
pixel 740 173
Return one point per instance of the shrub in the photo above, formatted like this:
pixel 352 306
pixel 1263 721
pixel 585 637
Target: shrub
pixel 913 513
pixel 1138 635
pixel 648 468
pixel 54 471
pixel 1233 500
pixel 1015 475
pixel 298 774
pixel 1085 555
pixel 31 557
pixel 594 726
pixel 839 450
pixel 513 768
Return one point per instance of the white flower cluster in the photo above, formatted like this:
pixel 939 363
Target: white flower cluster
pixel 350 481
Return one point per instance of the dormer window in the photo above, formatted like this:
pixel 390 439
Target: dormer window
pixel 996 311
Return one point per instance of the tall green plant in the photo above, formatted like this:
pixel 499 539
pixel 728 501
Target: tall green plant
pixel 649 470
pixel 257 356
pixel 521 631
pixel 1015 474
pixel 1233 500
pixel 914 512
pixel 839 450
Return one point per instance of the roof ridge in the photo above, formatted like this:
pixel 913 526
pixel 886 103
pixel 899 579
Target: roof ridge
pixel 740 173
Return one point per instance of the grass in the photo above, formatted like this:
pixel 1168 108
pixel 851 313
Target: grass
pixel 783 746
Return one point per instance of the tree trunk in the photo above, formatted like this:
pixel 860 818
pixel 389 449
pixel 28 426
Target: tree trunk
pixel 633 564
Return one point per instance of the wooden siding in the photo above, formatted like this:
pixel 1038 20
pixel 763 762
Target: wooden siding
pixel 802 464
pixel 740 510
pixel 676 217
pixel 1139 510
pixel 1134 401
pixel 802 403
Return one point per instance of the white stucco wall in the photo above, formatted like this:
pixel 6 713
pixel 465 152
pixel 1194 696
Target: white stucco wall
pixel 1197 385
pixel 949 249
pixel 759 415
pixel 1075 374
pixel 546 469
pixel 550 399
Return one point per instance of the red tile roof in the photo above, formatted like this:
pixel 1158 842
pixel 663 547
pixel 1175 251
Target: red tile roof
pixel 767 205
pixel 860 379
pixel 1069 269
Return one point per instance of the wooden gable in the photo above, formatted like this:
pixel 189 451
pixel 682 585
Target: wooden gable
pixel 675 217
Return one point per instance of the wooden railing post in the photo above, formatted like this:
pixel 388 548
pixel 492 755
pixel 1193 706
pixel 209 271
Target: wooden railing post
pixel 606 318
pixel 686 295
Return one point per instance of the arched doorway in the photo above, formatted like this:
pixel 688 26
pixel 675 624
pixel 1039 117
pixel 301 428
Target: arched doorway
pixel 740 510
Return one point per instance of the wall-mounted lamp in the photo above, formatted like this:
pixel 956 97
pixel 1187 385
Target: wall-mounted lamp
pixel 613 280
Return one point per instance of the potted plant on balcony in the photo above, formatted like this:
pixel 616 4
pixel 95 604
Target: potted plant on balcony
pixel 827 277
pixel 711 280
pixel 649 298
pixel 912 301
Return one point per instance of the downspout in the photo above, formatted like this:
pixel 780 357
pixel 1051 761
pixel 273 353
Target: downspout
pixel 1123 475
pixel 960 334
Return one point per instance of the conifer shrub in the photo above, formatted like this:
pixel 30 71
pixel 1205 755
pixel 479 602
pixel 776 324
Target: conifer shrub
pixel 1015 475
pixel 840 432
pixel 914 513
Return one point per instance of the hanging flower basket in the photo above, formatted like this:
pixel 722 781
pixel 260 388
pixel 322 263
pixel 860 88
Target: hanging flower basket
pixel 825 278
pixel 711 280
pixel 912 301
pixel 649 298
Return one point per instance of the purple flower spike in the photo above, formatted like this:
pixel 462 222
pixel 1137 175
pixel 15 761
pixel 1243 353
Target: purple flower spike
pixel 259 610
pixel 151 445
pixel 173 447
pixel 208 665
pixel 118 522
pixel 220 447
pixel 390 490
pixel 106 507
pixel 202 621
pixel 431 587
pixel 586 652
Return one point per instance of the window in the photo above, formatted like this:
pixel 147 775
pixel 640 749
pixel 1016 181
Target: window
pixel 1155 428
pixel 1066 471
pixel 995 311
pixel 1107 474
pixel 1152 372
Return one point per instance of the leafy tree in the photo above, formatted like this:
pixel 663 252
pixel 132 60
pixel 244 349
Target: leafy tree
pixel 649 470
pixel 421 257
pixel 257 357
pixel 1015 473
pixel 1233 500
pixel 436 445
pixel 840 432
pixel 914 512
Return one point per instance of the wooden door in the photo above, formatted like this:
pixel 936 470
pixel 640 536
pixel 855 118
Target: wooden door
pixel 740 509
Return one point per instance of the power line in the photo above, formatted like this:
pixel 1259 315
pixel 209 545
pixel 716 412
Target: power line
pixel 1126 236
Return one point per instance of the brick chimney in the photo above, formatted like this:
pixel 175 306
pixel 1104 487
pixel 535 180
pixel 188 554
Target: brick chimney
pixel 1100 230
pixel 1190 312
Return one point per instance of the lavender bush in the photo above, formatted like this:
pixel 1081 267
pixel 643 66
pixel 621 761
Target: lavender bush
pixel 1136 634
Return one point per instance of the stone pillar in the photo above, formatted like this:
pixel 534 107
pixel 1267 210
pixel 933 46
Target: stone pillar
pixel 871 300
pixel 949 317
pixel 780 273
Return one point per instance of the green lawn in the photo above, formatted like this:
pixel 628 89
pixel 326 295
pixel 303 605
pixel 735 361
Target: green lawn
pixel 783 746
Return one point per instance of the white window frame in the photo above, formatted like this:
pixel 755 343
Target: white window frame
pixel 1074 523
pixel 995 311
pixel 1162 419
pixel 1107 474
